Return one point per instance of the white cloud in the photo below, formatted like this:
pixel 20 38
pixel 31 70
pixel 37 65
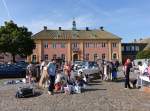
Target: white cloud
pixel 7 9
pixel 81 21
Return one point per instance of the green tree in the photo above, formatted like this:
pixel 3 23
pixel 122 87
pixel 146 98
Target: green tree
pixel 16 40
pixel 145 54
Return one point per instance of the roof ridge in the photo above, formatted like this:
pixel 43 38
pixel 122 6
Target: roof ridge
pixel 81 34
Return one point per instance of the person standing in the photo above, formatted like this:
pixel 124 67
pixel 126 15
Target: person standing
pixel 44 77
pixel 52 74
pixel 42 64
pixel 67 70
pixel 29 72
pixel 114 70
pixel 109 70
pixel 127 67
pixel 105 71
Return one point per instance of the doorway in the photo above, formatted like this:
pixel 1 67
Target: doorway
pixel 75 57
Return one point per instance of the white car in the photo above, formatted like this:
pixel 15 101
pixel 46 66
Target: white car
pixel 77 65
pixel 89 68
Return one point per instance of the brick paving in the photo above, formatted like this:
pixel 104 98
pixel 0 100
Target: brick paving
pixel 99 96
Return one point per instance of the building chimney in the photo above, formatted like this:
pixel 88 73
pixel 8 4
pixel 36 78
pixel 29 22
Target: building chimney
pixel 59 28
pixel 141 39
pixel 87 28
pixel 45 27
pixel 102 28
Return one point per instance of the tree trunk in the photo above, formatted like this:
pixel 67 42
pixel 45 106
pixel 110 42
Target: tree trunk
pixel 13 55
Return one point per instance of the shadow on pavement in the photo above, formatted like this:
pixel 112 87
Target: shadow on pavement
pixel 90 84
pixel 118 80
pixel 94 81
pixel 86 90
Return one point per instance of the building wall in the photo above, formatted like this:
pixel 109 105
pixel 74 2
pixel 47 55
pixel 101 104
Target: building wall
pixel 50 51
pixel 95 47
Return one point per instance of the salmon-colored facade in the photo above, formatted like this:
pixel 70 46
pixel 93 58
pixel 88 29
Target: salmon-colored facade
pixel 76 44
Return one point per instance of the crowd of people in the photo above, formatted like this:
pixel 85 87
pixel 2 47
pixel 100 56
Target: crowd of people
pixel 64 80
pixel 144 70
pixel 57 79
pixel 108 69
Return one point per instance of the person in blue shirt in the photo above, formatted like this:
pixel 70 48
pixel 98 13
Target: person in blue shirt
pixel 52 74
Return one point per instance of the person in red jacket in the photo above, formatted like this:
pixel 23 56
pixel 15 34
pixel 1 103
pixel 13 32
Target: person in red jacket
pixel 127 67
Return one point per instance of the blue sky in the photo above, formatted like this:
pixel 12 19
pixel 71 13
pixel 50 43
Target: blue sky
pixel 129 19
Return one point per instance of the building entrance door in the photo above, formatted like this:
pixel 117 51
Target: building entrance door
pixel 75 57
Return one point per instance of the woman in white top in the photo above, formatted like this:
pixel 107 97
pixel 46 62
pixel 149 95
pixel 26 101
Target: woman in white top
pixel 44 77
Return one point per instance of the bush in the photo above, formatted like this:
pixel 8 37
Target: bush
pixel 145 54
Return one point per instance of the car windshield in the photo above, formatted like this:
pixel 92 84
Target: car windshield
pixel 85 63
pixel 90 64
pixel 78 62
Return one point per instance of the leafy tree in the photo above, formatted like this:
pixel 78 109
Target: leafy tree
pixel 16 40
pixel 145 54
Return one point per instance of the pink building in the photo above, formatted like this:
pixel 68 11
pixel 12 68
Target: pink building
pixel 76 44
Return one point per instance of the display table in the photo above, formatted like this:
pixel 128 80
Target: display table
pixel 144 78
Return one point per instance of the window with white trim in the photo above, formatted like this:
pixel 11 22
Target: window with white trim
pixel 45 44
pixel 74 45
pixel 103 44
pixel 132 48
pixel 137 48
pixel 114 45
pixel 127 48
pixel 87 44
pixel 53 45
